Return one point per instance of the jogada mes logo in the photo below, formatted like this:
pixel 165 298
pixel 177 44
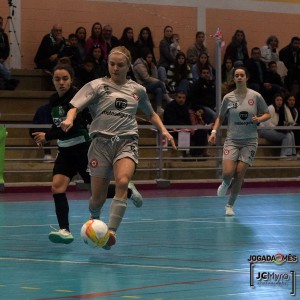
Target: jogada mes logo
pixel 262 274
pixel 278 258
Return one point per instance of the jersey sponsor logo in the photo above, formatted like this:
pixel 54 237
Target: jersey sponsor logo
pixel 94 163
pixel 120 103
pixel 250 102
pixel 243 115
pixel 135 97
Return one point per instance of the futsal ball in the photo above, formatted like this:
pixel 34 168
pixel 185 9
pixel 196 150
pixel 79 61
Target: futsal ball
pixel 94 233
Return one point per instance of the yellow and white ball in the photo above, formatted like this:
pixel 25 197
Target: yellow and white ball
pixel 95 233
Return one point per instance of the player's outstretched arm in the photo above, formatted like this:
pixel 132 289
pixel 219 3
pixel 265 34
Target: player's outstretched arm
pixel 155 120
pixel 67 124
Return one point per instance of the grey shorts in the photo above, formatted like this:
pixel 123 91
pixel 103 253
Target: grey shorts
pixel 243 150
pixel 105 151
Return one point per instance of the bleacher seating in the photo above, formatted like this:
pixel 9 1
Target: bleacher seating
pixel 24 161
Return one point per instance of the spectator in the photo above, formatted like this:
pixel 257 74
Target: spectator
pixel 71 51
pixel 196 49
pixel 177 113
pixel 286 137
pixel 109 38
pixel 145 43
pixel 81 41
pixel 100 67
pixel 86 73
pixel 272 75
pixel 179 75
pixel 292 116
pixel 6 80
pixel 269 53
pixel 96 39
pixel 174 47
pixel 203 93
pixel 145 72
pixel 203 61
pixel 50 49
pixel 290 55
pixel 43 116
pixel 258 79
pixel 237 48
pixel 165 59
pixel 127 40
pixel 199 136
pixel 227 70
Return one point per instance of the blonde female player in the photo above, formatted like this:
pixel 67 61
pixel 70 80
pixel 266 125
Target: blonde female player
pixel 113 104
pixel 72 151
pixel 245 109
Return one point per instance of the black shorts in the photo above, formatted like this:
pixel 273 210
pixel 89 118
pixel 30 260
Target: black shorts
pixel 73 160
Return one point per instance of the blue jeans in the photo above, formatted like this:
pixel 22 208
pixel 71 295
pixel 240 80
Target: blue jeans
pixel 286 138
pixel 4 72
pixel 157 88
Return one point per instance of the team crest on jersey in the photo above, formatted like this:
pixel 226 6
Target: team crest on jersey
pixel 135 97
pixel 243 115
pixel 106 89
pixel 226 151
pixel 120 103
pixel 250 102
pixel 61 111
pixel 94 163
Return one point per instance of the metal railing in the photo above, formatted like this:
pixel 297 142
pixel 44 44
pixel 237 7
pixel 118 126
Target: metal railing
pixel 162 159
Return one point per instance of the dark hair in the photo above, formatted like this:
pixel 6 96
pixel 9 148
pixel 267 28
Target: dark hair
pixel 200 33
pixel 241 68
pixel 67 67
pixel 124 37
pixel 92 30
pixel 295 38
pixel 72 35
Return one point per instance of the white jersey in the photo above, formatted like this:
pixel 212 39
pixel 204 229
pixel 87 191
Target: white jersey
pixel 113 107
pixel 239 114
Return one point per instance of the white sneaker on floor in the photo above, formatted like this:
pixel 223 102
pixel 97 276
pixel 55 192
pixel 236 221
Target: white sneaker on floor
pixel 62 236
pixel 229 211
pixel 222 189
pixel 136 197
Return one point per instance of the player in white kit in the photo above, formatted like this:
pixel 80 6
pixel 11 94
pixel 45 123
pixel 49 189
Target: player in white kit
pixel 244 109
pixel 113 103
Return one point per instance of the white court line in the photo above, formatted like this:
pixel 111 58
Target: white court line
pixel 208 220
pixel 235 271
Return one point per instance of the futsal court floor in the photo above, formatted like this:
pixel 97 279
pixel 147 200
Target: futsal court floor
pixel 179 245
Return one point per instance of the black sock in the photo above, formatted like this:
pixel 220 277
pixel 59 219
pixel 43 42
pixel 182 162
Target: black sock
pixel 62 210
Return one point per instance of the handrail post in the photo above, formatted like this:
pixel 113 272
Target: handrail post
pixel 162 183
pixel 2 152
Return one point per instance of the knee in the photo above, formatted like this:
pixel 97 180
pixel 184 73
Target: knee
pixel 57 188
pixel 122 183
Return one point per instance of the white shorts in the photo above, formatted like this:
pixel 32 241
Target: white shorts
pixel 243 150
pixel 105 151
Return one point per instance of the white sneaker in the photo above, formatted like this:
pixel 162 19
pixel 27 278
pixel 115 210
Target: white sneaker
pixel 48 158
pixel 229 211
pixel 222 189
pixel 136 197
pixel 62 236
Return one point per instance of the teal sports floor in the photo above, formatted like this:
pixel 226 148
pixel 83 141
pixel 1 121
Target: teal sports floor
pixel 173 247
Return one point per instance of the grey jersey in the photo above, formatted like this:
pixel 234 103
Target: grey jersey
pixel 240 124
pixel 113 107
